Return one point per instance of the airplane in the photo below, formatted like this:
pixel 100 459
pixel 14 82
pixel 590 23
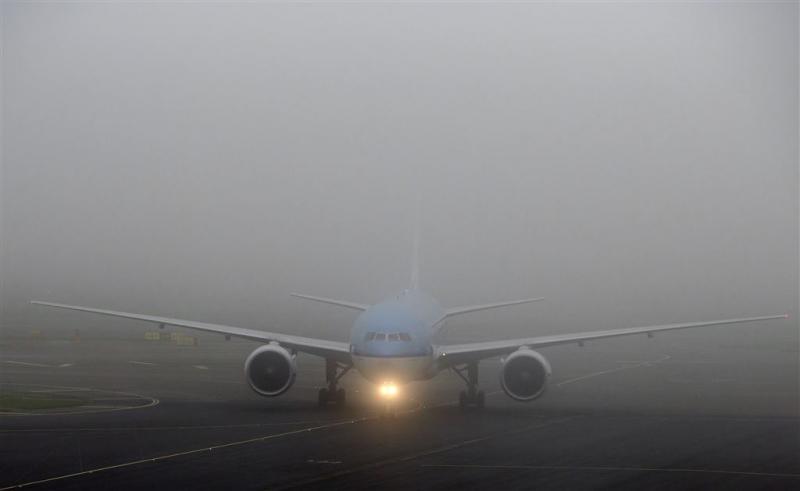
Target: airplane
pixel 393 343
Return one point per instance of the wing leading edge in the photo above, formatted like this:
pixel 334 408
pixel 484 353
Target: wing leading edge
pixel 320 347
pixel 332 301
pixel 475 308
pixel 461 353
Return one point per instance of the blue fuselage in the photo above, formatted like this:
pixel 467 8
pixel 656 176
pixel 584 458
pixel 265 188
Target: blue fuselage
pixel 393 341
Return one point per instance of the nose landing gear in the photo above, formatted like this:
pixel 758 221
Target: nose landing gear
pixel 333 394
pixel 388 410
pixel 472 396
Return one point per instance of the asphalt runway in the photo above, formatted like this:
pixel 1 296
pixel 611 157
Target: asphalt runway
pixel 635 415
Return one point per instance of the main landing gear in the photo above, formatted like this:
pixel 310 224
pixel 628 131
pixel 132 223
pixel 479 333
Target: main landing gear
pixel 472 396
pixel 333 394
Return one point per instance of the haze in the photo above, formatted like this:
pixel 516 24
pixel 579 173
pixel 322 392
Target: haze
pixel 635 164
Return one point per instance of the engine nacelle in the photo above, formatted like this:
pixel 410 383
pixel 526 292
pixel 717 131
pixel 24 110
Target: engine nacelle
pixel 270 370
pixel 524 374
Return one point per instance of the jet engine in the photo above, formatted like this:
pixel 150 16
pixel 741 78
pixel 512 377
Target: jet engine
pixel 270 370
pixel 524 374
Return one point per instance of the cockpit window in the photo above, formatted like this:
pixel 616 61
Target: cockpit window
pixel 394 337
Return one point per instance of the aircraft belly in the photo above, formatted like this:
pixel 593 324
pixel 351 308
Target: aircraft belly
pixel 394 369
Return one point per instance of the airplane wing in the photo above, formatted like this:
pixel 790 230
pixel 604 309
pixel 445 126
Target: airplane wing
pixel 329 349
pixel 475 308
pixel 462 353
pixel 332 301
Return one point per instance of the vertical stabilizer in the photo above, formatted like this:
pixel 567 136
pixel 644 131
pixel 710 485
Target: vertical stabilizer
pixel 414 281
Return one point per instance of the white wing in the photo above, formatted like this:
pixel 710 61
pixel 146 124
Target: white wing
pixel 332 301
pixel 320 347
pixel 475 308
pixel 462 353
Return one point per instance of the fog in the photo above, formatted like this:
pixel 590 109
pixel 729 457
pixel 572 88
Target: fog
pixel 635 164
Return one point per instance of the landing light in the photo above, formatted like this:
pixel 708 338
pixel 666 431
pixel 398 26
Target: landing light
pixel 388 390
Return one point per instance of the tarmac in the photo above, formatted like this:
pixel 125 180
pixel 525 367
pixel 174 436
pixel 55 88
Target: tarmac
pixel 642 414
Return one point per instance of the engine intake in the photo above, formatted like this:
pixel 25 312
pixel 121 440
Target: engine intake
pixel 270 370
pixel 524 374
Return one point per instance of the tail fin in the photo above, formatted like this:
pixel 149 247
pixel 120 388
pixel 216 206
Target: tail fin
pixel 414 280
pixel 474 308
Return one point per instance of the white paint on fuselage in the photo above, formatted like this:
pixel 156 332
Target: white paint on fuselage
pixel 395 370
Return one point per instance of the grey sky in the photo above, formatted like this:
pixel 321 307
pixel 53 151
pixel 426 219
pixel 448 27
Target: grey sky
pixel 635 163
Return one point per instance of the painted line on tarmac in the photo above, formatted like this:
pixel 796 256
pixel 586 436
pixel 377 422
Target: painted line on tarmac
pixel 184 453
pixel 200 367
pixel 424 453
pixel 243 442
pixel 28 364
pixel 613 370
pixel 45 391
pixel 37 365
pixel 155 428
pixel 83 409
pixel 612 469
pixel 134 362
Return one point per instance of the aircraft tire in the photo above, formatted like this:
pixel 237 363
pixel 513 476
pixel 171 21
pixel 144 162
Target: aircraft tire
pixel 322 397
pixel 480 400
pixel 462 400
pixel 341 397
